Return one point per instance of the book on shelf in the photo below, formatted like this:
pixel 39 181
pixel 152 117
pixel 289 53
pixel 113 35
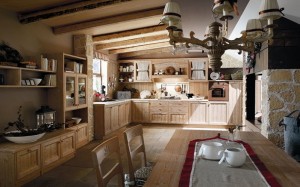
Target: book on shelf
pixel 49 80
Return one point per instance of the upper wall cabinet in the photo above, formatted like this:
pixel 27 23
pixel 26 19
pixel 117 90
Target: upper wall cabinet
pixel 69 99
pixel 131 71
pixel 198 69
pixel 26 77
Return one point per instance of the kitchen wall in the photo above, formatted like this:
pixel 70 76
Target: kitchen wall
pixel 31 39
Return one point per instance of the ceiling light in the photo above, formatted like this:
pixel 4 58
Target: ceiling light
pixel 215 41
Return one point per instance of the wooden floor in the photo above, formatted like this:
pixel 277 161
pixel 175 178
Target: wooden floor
pixel 79 172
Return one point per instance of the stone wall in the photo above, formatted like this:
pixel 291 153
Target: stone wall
pixel 83 46
pixel 280 96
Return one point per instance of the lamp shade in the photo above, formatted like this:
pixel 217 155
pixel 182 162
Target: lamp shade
pixel 269 10
pixel 222 8
pixel 253 29
pixel 171 13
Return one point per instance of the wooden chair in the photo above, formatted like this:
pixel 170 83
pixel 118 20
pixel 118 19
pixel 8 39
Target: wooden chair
pixel 134 146
pixel 107 162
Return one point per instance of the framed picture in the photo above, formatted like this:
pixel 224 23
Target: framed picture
pixel 23 82
pixel 32 82
pixel 28 82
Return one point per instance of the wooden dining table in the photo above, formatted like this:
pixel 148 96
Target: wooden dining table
pixel 168 167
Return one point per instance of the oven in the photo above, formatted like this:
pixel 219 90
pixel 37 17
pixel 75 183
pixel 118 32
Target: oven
pixel 218 91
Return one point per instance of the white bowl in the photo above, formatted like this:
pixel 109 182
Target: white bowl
pixel 24 139
pixel 37 81
pixel 77 120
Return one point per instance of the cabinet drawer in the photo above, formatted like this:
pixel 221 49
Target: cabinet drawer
pixel 179 110
pixel 179 104
pixel 159 103
pixel 159 109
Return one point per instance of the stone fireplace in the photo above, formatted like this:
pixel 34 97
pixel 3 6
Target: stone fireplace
pixel 278 66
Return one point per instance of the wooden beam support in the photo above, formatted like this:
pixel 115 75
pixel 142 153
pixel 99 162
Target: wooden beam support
pixel 145 52
pixel 139 48
pixel 133 42
pixel 130 34
pixel 108 20
pixel 66 9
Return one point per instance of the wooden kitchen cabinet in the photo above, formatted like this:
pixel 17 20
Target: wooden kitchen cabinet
pixel 198 112
pixel 56 151
pixel 28 163
pixel 110 117
pixel 159 112
pixel 69 98
pixel 131 71
pixel 217 113
pixel 140 111
pixel 21 163
pixel 235 103
pixel 178 112
pixel 81 134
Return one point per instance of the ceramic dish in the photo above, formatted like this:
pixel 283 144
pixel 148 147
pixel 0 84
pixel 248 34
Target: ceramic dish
pixel 145 94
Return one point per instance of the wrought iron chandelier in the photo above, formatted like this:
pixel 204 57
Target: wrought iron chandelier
pixel 215 41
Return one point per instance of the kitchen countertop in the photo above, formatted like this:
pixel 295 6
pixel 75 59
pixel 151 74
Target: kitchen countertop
pixel 136 99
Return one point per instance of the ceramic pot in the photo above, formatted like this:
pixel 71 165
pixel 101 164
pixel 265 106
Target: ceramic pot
pixel 235 157
pixel 211 150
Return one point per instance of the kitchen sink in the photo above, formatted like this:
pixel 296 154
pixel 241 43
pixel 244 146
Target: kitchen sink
pixel 170 97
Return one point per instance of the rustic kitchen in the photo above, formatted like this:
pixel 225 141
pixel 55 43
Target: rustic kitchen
pixel 75 75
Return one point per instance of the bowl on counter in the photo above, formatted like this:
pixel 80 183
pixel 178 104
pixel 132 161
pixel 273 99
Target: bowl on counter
pixel 77 120
pixel 22 139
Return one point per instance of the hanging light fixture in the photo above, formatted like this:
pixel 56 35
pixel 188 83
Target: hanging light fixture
pixel 215 42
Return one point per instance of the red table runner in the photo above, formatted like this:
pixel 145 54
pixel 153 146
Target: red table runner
pixel 188 164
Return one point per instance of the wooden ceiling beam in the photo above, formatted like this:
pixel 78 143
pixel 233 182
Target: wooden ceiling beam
pixel 109 20
pixel 130 34
pixel 133 42
pixel 66 9
pixel 145 52
pixel 139 48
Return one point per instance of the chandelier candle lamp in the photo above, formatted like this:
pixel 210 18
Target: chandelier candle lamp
pixel 215 41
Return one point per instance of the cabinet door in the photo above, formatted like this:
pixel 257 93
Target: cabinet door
pixel 235 103
pixel 218 113
pixel 67 145
pixel 82 136
pixel 122 115
pixel 114 117
pixel 178 112
pixel 198 113
pixel 70 90
pixel 158 114
pixel 128 112
pixel 28 162
pixel 107 120
pixel 81 96
pixel 140 111
pixel 51 153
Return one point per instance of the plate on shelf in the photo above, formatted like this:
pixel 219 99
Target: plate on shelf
pixel 214 76
pixel 145 94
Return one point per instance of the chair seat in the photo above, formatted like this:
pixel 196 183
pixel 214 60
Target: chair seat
pixel 143 173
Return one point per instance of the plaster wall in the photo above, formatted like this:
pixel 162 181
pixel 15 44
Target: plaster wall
pixel 31 40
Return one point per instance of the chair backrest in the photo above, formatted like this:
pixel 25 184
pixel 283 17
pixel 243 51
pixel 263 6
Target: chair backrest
pixel 108 151
pixel 134 145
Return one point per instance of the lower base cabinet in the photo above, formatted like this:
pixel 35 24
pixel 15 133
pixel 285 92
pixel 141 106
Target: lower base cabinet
pixel 217 113
pixel 110 117
pixel 198 113
pixel 21 163
pixel 81 134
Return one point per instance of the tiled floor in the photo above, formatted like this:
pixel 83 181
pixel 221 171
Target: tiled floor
pixel 79 172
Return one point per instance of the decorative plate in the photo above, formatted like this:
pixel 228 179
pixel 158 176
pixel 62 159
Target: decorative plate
pixel 145 94
pixel 214 76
